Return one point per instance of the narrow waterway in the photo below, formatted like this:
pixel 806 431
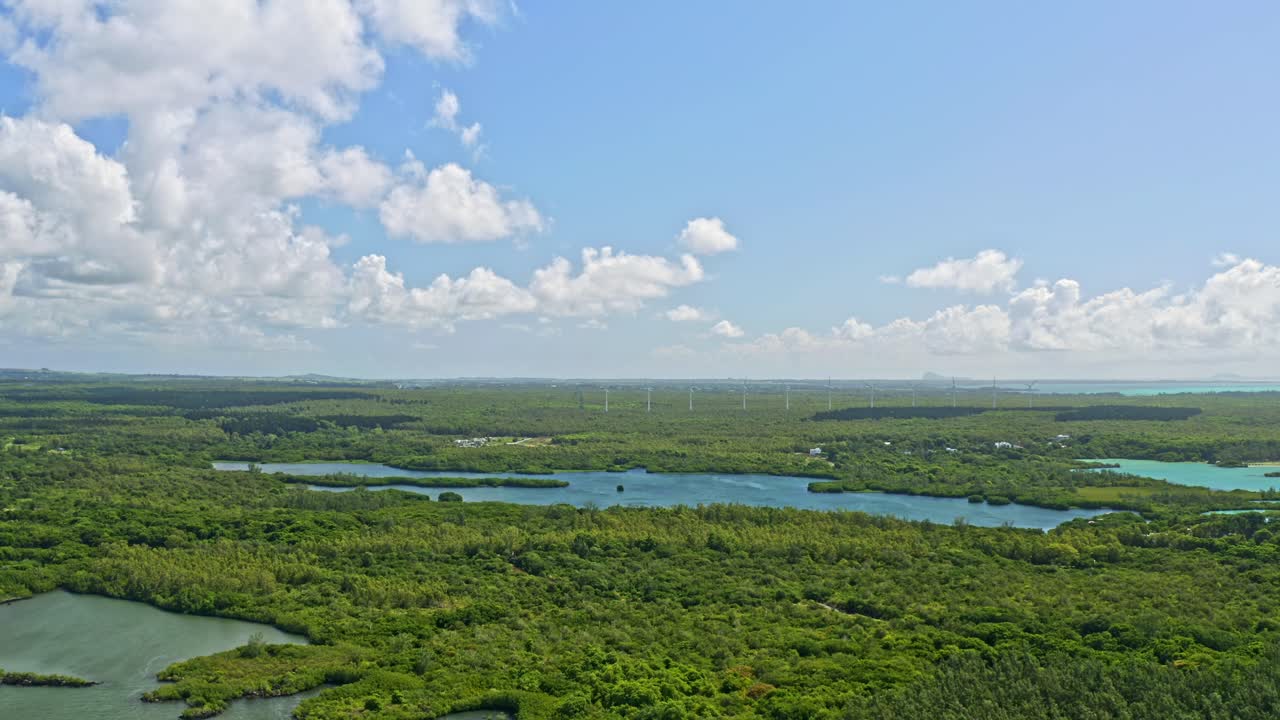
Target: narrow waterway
pixel 644 489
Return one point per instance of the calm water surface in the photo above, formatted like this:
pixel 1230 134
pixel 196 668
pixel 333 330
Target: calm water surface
pixel 1153 388
pixel 122 645
pixel 1200 474
pixel 644 489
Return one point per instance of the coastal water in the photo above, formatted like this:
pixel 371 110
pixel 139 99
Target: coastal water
pixel 1138 388
pixel 121 645
pixel 1200 474
pixel 644 489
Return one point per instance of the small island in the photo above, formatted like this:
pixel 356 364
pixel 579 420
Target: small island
pixel 1273 473
pixel 26 679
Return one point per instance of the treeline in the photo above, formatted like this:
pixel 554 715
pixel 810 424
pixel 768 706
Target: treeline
pixel 185 398
pixel 368 422
pixel 901 413
pixel 26 679
pixel 353 480
pixel 1128 412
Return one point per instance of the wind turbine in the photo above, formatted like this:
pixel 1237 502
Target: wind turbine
pixel 690 398
pixel 993 392
pixel 648 400
pixel 1031 392
pixel 788 396
pixel 744 394
pixel 953 392
pixel 872 388
pixel 606 399
pixel 913 396
pixel 828 394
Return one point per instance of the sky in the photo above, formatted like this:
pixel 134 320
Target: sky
pixel 445 188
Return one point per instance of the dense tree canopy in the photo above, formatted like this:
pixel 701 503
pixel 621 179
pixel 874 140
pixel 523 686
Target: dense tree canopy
pixel 417 607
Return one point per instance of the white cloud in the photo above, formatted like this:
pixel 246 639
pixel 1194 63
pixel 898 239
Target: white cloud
pixel 67 209
pixel 141 56
pixel 1238 307
pixel 354 178
pixel 448 205
pixel 1235 310
pixel 707 236
pixel 429 25
pixel 610 282
pixel 380 296
pixel 447 109
pixel 470 135
pixel 986 272
pixel 189 231
pixel 686 313
pixel 446 117
pixel 724 328
pixel 960 330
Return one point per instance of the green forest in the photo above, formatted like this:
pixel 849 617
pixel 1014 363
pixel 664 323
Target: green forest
pixel 416 608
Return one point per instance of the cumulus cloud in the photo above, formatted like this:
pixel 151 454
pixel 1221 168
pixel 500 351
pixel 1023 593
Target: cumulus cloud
pixel 724 328
pixel 610 282
pixel 354 178
pixel 381 296
pixel 66 209
pixel 707 236
pixel 686 313
pixel 431 26
pixel 191 229
pixel 986 272
pixel 448 205
pixel 131 57
pixel 1237 308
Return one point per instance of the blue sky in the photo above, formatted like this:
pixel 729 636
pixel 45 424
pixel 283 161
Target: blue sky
pixel 1127 150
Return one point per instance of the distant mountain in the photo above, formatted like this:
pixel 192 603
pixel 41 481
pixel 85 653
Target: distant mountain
pixel 935 377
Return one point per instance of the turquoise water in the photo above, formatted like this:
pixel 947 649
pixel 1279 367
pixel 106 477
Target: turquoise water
pixel 1152 388
pixel 644 489
pixel 1200 474
pixel 121 645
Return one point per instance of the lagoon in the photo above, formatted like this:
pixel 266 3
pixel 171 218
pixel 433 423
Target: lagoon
pixel 122 645
pixel 645 489
pixel 1199 474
